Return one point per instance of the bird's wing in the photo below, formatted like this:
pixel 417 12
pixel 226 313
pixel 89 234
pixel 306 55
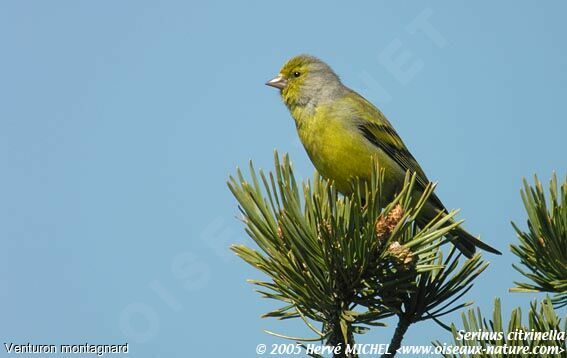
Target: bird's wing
pixel 377 130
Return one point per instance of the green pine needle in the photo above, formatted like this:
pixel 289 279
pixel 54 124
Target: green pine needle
pixel 543 247
pixel 326 255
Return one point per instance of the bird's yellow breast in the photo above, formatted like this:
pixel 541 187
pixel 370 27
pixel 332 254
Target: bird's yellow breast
pixel 338 150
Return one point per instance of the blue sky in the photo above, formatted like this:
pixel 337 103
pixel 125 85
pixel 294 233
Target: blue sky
pixel 121 121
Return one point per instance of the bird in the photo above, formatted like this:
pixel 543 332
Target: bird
pixel 343 133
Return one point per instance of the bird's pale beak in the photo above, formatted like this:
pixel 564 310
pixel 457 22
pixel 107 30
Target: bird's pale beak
pixel 277 82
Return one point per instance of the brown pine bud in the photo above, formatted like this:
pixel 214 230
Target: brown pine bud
pixel 386 224
pixel 402 255
pixel 381 229
pixel 395 216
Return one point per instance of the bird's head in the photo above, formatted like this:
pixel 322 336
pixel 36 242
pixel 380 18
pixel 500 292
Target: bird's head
pixel 306 80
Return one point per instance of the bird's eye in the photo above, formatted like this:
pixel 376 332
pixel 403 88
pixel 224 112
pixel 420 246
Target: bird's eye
pixel 296 74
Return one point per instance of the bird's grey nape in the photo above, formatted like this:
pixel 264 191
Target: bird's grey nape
pixel 322 84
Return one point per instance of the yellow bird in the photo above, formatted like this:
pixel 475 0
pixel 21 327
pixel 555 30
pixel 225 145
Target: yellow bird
pixel 342 132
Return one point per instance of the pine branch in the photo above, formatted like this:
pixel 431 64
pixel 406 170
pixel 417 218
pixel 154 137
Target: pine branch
pixel 345 263
pixel 497 339
pixel 543 254
pixel 396 342
pixel 543 248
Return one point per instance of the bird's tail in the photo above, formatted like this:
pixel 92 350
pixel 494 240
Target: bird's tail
pixel 467 244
